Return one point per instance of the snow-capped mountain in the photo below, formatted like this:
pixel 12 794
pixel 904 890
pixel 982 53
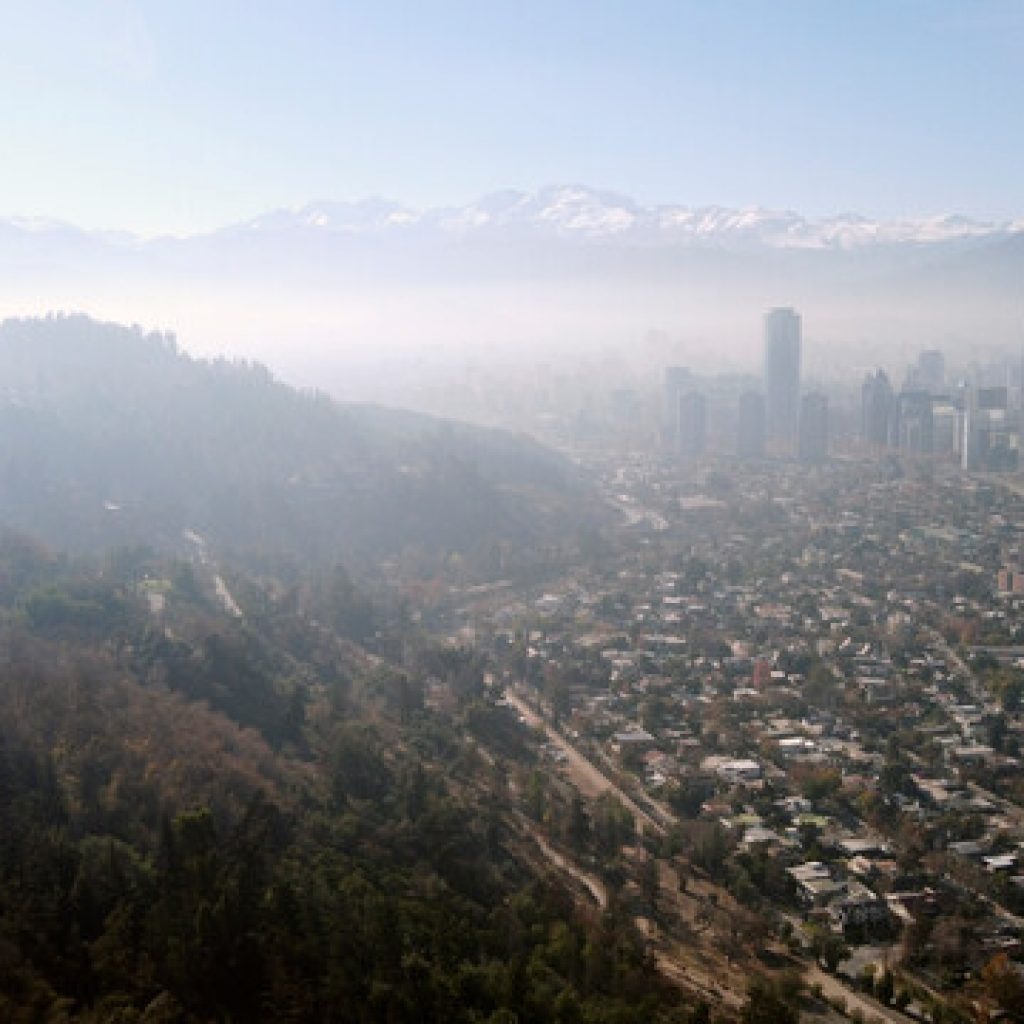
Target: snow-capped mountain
pixel 575 212
pixel 562 265
pixel 564 212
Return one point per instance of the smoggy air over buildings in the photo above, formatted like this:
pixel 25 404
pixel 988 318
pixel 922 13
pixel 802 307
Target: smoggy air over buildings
pixel 512 512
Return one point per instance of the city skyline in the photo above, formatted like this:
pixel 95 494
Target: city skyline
pixel 975 421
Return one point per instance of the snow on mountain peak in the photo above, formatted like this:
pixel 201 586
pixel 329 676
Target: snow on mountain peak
pixel 589 216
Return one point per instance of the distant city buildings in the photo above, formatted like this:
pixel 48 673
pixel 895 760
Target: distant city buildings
pixel 782 345
pixel 976 419
pixel 813 435
pixel 677 380
pixel 692 424
pixel 914 423
pixel 876 409
pixel 989 442
pixel 977 425
pixel 750 434
pixel 927 374
pixel 946 420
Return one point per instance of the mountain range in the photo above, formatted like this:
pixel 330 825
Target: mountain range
pixel 568 212
pixel 585 214
pixel 375 300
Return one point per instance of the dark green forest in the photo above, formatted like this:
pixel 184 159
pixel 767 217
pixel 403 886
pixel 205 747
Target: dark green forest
pixel 211 819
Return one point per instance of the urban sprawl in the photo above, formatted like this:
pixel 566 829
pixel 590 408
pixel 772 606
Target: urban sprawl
pixel 801 676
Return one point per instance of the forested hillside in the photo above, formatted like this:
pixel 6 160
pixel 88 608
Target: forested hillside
pixel 109 436
pixel 223 805
pixel 207 818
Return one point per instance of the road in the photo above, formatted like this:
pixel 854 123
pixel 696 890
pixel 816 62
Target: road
pixel 591 883
pixel 693 968
pixel 591 783
pixel 704 982
pixel 587 778
pixel 224 596
pixel 833 988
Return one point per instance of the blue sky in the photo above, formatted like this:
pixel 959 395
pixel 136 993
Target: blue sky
pixel 178 116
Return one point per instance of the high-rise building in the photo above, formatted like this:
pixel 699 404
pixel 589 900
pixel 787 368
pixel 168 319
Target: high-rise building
pixel 914 424
pixel 990 438
pixel 813 445
pixel 750 432
pixel 677 380
pixel 945 428
pixel 876 409
pixel 931 371
pixel 928 373
pixel 692 419
pixel 782 377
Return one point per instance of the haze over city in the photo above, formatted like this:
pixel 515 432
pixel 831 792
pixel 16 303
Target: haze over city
pixel 512 513
pixel 556 178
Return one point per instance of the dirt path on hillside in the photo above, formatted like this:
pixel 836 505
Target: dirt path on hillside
pixel 832 987
pixel 591 883
pixel 587 778
pixel 702 980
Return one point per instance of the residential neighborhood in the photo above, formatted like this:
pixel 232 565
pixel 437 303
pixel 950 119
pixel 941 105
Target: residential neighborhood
pixel 817 672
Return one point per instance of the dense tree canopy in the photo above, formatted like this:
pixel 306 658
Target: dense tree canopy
pixel 193 828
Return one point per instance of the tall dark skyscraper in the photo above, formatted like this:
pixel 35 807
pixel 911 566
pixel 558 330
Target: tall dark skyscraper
pixel 876 410
pixel 813 446
pixel 782 377
pixel 750 427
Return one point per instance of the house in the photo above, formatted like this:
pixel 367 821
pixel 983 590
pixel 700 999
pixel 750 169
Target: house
pixel 857 907
pixel 815 885
pixel 863 846
pixel 969 754
pixel 796 746
pixel 632 740
pixel 966 848
pixel 1000 862
pixel 739 770
pixel 759 835
pixel 814 882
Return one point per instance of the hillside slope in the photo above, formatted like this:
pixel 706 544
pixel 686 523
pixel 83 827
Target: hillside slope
pixel 208 820
pixel 111 436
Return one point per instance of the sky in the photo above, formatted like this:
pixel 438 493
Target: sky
pixel 159 117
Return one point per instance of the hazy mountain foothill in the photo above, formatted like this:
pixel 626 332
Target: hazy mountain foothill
pixel 216 804
pixel 112 436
